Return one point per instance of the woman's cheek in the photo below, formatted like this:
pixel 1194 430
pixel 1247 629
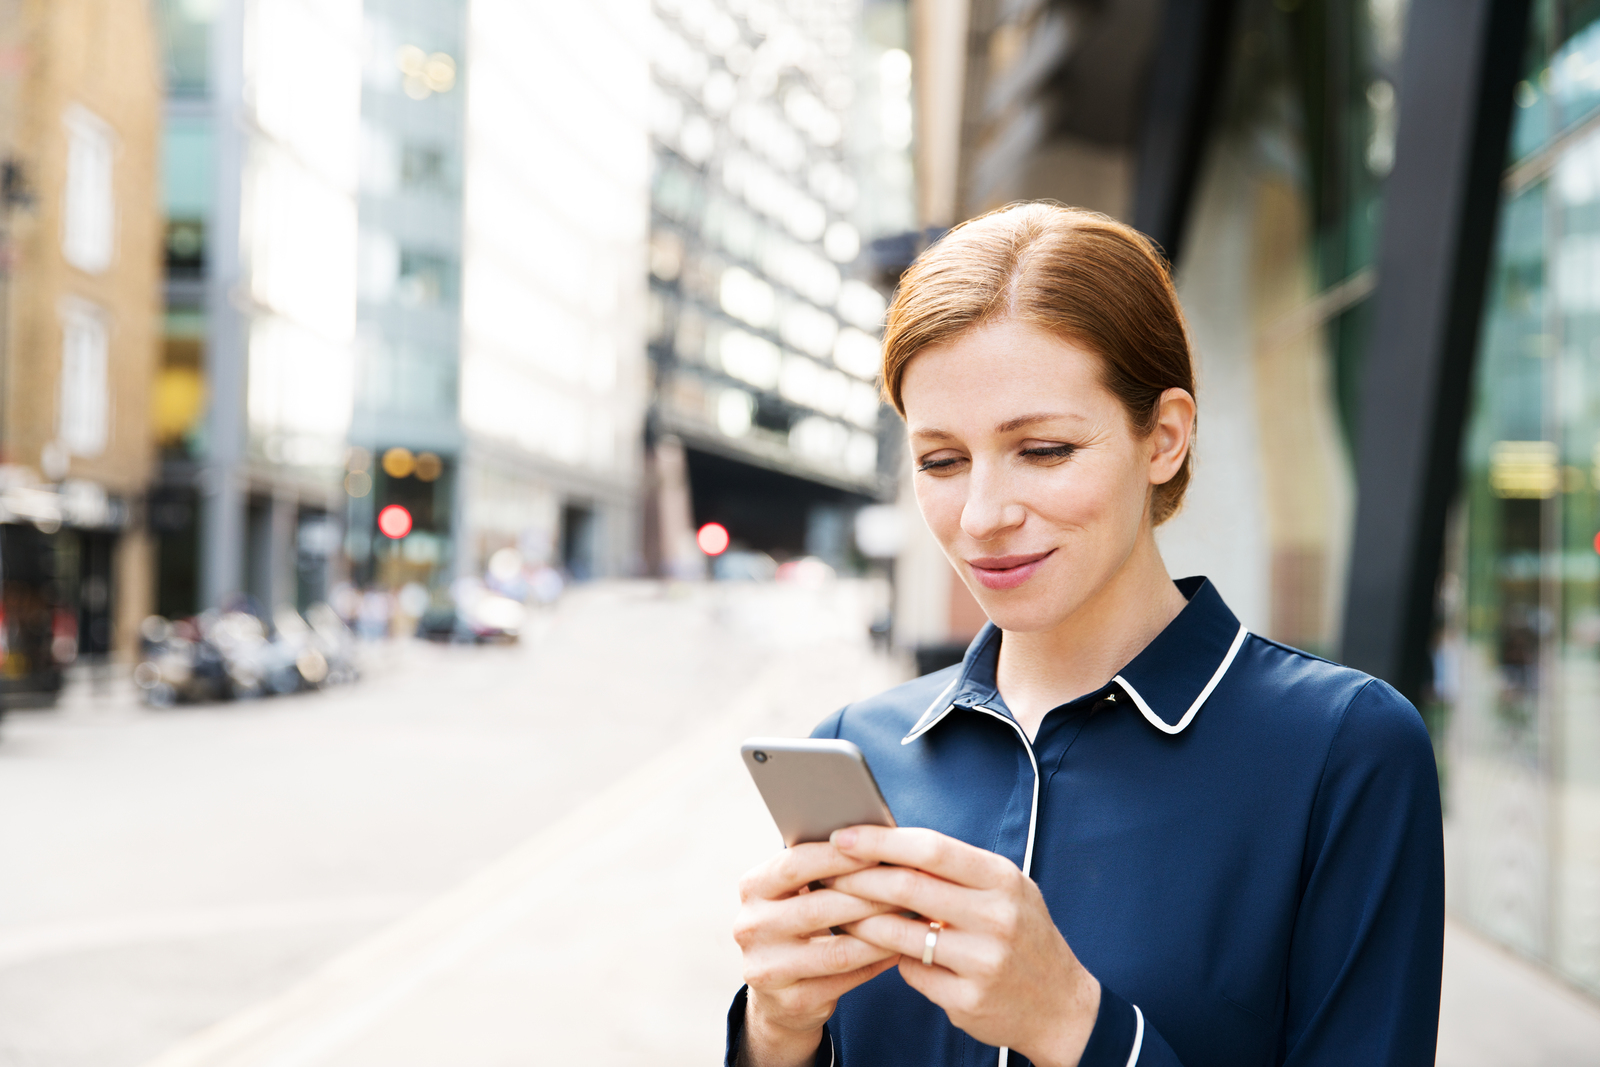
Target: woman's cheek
pixel 940 501
pixel 1073 501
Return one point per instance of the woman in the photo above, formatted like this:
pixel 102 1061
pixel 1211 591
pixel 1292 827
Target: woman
pixel 1133 833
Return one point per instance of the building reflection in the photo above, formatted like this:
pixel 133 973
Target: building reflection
pixel 1517 666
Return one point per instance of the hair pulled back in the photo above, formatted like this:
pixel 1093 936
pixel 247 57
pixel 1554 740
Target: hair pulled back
pixel 1079 275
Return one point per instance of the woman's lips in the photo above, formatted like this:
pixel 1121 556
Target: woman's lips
pixel 1007 572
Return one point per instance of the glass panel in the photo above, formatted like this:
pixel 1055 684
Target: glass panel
pixel 185 27
pixel 1519 657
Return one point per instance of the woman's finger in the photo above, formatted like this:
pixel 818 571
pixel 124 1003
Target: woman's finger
pixel 937 983
pixel 927 850
pixel 913 890
pixel 953 949
pixel 814 912
pixel 829 988
pixel 795 868
pixel 786 963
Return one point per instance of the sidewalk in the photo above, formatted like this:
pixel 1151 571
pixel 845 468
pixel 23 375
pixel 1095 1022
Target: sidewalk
pixel 1499 1010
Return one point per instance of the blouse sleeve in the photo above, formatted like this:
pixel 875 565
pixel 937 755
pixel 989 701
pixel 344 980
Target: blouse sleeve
pixel 1368 943
pixel 1362 981
pixel 1123 1037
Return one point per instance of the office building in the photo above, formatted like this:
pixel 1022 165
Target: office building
pixel 781 137
pixel 403 268
pixel 261 162
pixel 553 381
pixel 405 433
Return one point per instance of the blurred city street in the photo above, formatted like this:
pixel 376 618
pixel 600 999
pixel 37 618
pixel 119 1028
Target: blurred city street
pixel 480 856
pixel 186 866
pixel 433 433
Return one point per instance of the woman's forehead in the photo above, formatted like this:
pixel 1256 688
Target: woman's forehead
pixel 1002 374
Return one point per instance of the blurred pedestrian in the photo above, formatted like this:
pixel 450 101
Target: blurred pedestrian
pixel 372 623
pixel 1131 832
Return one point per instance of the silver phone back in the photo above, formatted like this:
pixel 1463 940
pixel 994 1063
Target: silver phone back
pixel 814 786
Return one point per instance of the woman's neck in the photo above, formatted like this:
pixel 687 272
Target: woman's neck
pixel 1043 670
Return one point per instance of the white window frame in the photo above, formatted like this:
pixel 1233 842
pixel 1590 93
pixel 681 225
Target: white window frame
pixel 83 425
pixel 89 201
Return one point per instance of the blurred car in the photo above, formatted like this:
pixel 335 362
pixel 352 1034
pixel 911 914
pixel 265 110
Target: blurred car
pixel 177 663
pixel 741 565
pixel 336 643
pixel 807 571
pixel 473 614
pixel 233 655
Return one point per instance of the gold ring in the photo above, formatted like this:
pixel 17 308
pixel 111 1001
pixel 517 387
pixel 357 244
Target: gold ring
pixel 930 943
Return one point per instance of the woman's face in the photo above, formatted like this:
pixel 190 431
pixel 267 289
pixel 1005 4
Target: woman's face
pixel 1028 470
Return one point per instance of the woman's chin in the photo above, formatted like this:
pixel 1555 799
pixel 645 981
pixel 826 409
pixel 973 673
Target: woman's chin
pixel 1019 614
pixel 1038 605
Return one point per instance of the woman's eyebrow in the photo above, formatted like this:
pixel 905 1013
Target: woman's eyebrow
pixel 1008 426
pixel 1022 421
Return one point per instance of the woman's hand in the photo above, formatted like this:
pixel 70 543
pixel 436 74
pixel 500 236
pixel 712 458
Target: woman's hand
pixel 1001 970
pixel 795 968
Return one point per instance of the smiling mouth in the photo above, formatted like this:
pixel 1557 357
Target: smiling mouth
pixel 1007 572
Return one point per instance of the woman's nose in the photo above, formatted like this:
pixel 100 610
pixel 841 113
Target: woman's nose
pixel 990 508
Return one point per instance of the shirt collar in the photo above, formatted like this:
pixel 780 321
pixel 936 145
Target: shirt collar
pixel 1168 681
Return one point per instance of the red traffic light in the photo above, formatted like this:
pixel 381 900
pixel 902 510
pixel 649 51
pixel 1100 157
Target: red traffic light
pixel 712 539
pixel 394 522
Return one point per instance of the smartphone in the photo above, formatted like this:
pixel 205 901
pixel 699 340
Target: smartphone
pixel 814 786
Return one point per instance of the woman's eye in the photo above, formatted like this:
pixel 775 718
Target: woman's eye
pixel 1051 451
pixel 940 463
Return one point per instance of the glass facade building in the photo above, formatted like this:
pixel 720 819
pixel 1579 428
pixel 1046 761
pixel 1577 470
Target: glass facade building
pixel 374 264
pixel 781 136
pixel 408 318
pixel 1517 669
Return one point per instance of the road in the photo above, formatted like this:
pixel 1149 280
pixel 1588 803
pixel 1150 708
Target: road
pixel 475 856
pixel 168 869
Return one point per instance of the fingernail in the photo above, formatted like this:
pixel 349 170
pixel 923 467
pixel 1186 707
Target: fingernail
pixel 843 839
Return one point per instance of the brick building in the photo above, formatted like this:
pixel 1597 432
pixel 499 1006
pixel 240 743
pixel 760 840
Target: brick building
pixel 80 102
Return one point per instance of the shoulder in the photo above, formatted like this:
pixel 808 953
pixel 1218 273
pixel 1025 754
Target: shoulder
pixel 891 714
pixel 1350 711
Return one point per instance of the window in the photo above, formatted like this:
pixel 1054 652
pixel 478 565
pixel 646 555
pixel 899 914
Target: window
pixel 426 278
pixel 84 401
pixel 90 209
pixel 185 27
pixel 423 167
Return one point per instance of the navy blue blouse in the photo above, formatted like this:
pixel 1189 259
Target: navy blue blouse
pixel 1241 841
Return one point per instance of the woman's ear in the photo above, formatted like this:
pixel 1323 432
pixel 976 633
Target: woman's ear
pixel 1173 434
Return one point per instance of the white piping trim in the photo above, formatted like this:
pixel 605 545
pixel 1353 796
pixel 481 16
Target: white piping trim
pixel 1188 716
pixel 1138 1036
pixel 1033 814
pixel 925 723
pixel 833 1053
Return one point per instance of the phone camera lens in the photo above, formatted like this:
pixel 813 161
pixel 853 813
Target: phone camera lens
pixel 759 757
